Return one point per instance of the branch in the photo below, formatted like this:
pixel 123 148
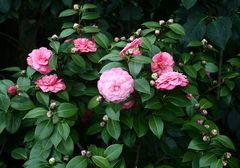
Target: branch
pixel 219 73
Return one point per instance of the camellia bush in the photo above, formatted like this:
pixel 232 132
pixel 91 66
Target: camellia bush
pixel 90 100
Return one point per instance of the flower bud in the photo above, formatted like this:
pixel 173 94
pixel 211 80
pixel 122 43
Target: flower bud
pixel 49 114
pixel 73 50
pixel 76 26
pixel 105 118
pixel 154 76
pixel 200 121
pixel 76 7
pixel 23 72
pixel 102 124
pixel 123 38
pixel 197 105
pixel 191 53
pixel 204 62
pixel 227 155
pixel 51 161
pixel 209 46
pixel 204 112
pixel 152 82
pixel 116 39
pixel 157 32
pixel 83 152
pixel 12 90
pixel 189 96
pixel 214 132
pixel 99 99
pixel 214 82
pixel 52 106
pixel 54 37
pixel 224 162
pixel 66 158
pixel 206 138
pixel 180 64
pixel 204 41
pixel 161 22
pixel 131 38
pixel 130 51
pixel 170 20
pixel 206 126
pixel 88 154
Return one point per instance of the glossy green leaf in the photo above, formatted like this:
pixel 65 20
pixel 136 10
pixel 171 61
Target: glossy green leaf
pixel 4 102
pixel 179 101
pixel 112 114
pixel 210 67
pixel 190 71
pixel 22 103
pixel 197 144
pixel 64 130
pixel 78 162
pixel 36 112
pixel 19 153
pixel 110 66
pixel 113 128
pixel 188 3
pixel 141 60
pixel 225 141
pixel 67 12
pixel 78 60
pixel 142 85
pixel 93 102
pixel 207 159
pixel 101 161
pixel 156 125
pixel 44 129
pixel 66 110
pixel 205 104
pixel 102 40
pixel 66 32
pixel 43 98
pixel 177 28
pixel 113 152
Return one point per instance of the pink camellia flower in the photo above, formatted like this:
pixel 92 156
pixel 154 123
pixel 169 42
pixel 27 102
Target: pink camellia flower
pixel 115 85
pixel 83 45
pixel 169 80
pixel 128 105
pixel 132 48
pixel 200 121
pixel 38 60
pixel 12 89
pixel 162 62
pixel 50 83
pixel 189 96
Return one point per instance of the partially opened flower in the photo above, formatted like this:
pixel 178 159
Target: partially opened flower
pixel 115 85
pixel 38 60
pixel 170 80
pixel 132 48
pixel 50 83
pixel 162 62
pixel 128 104
pixel 83 45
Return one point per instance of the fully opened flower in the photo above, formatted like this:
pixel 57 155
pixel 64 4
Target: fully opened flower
pixel 50 83
pixel 38 60
pixel 83 45
pixel 170 80
pixel 115 85
pixel 132 48
pixel 162 62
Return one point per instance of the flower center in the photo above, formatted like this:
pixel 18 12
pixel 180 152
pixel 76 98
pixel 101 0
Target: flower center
pixel 116 88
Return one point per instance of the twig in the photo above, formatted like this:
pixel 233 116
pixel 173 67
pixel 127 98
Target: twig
pixel 137 155
pixel 219 73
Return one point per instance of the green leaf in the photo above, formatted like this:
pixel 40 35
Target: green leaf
pixel 216 164
pixel 219 31
pixel 55 45
pixel 90 29
pixel 113 152
pixel 234 62
pixel 190 71
pixel 66 110
pixel 89 6
pixel 194 43
pixel 210 67
pixel 113 128
pixel 153 104
pixel 53 62
pixel 134 68
pixel 146 44
pixel 89 15
pixel 5 6
pixel 66 147
pixel 225 141
pixel 224 91
pixel 19 153
pixel 30 72
pixel 156 125
pixel 188 3
pixel 101 161
pixel 21 103
pixel 63 95
pixel 110 66
pixel 140 126
pixel 207 159
pixel 177 28
pixel 112 114
pixel 66 32
pixel 44 129
pixel 4 102
pixel 179 101
pixel 94 129
pixel 68 12
pixel 13 122
pixel 12 69
pixel 64 130
pixel 112 56
pixel 141 60
pixel 43 98
pixel 78 162
pixel 205 104
pixel 93 102
pixel 189 156
pixel 102 40
pixel 36 112
pixel 151 24
pixel 78 60
pixel 142 85
pixel 197 144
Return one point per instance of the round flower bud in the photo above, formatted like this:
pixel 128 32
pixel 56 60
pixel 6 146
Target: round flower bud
pixel 206 126
pixel 154 76
pixel 214 82
pixel 152 82
pixel 224 162
pixel 191 53
pixel 161 22
pixel 214 132
pixel 170 20
pixel 209 46
pixel 197 105
pixel 105 118
pixel 88 154
pixel 76 7
pixel 99 98
pixel 19 94
pixel 204 112
pixel 206 138
pixel 139 30
pixel 204 62
pixel 204 41
pixel 137 33
pixel 157 32
pixel 73 50
pixel 131 38
pixel 76 26
pixel 83 152
pixel 180 64
pixel 51 161
pixel 52 106
pixel 23 72
pixel 12 90
pixel 54 37
pixel 227 155
pixel 123 38
pixel 102 124
pixel 49 114
pixel 200 121
pixel 116 39
pixel 66 158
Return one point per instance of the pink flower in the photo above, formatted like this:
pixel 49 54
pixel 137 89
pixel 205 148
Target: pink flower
pixel 200 121
pixel 12 90
pixel 83 45
pixel 115 85
pixel 189 96
pixel 38 60
pixel 162 62
pixel 50 83
pixel 132 48
pixel 169 80
pixel 128 104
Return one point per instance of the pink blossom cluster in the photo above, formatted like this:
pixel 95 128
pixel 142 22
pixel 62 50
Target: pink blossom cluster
pixel 167 79
pixel 132 48
pixel 83 45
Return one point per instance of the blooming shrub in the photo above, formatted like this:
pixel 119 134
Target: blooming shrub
pixel 141 102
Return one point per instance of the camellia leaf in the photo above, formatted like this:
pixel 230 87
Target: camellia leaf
pixel 64 130
pixel 66 110
pixel 140 126
pixel 156 125
pixel 207 159
pixel 110 66
pixel 36 112
pixel 188 3
pixel 66 32
pixel 19 153
pixel 101 161
pixel 141 60
pixel 190 71
pixel 134 68
pixel 179 101
pixel 113 152
pixel 177 28
pixel 142 85
pixel 4 102
pixel 68 12
pixel 44 129
pixel 217 164
pixel 112 114
pixel 210 67
pixel 205 104
pixel 113 128
pixel 112 56
pixel 225 141
pixel 93 102
pixel 197 144
pixel 43 98
pixel 22 103
pixel 78 162
pixel 78 60
pixel 55 45
pixel 151 24
pixel 102 40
